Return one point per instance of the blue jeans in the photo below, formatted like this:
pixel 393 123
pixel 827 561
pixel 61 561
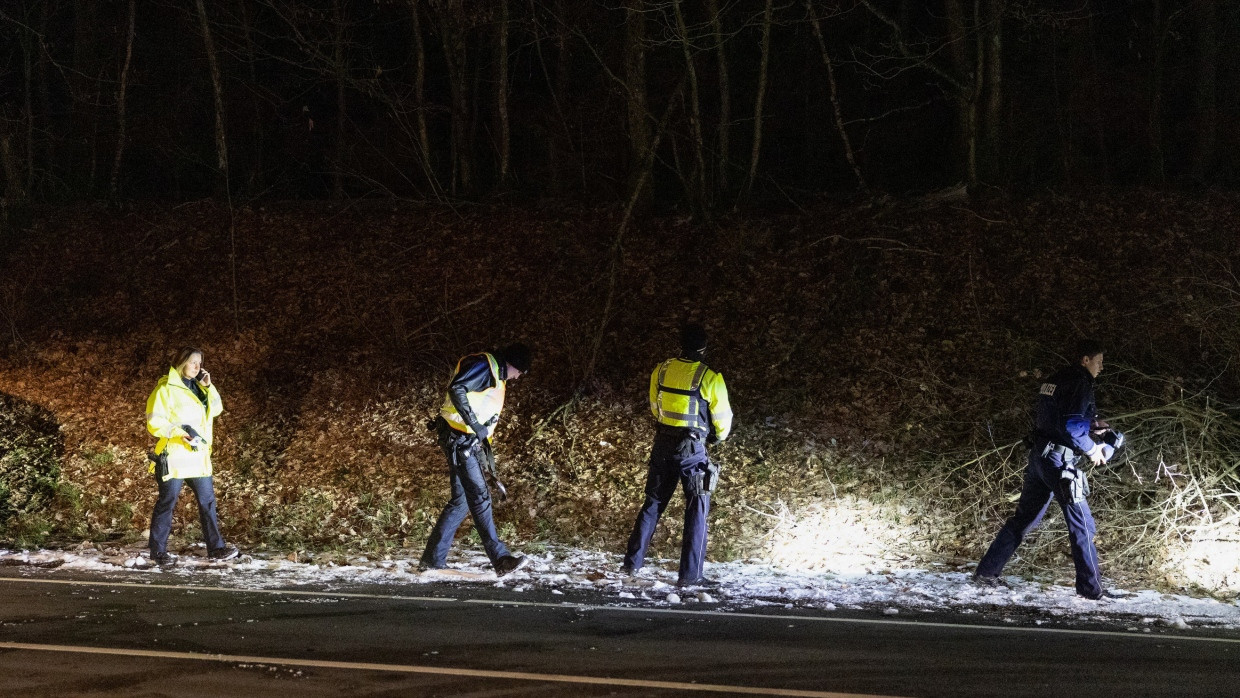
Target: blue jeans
pixel 673 461
pixel 1042 483
pixel 470 495
pixel 161 518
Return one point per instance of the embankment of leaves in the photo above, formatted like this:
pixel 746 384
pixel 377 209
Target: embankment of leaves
pixel 882 356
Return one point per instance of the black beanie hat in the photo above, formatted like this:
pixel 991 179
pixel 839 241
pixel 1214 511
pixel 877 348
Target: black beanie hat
pixel 518 355
pixel 692 339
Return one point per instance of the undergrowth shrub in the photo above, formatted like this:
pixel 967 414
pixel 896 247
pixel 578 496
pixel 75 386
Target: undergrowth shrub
pixel 30 450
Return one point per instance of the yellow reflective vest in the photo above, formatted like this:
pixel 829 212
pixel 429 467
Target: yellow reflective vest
pixel 679 388
pixel 172 404
pixel 486 404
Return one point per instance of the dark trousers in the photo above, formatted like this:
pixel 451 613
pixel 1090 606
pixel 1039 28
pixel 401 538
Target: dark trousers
pixel 469 496
pixel 161 518
pixel 673 460
pixel 1042 483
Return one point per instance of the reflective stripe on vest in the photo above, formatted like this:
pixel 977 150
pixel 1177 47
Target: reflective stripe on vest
pixel 681 407
pixel 486 404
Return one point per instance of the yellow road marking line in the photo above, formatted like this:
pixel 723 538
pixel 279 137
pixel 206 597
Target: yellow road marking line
pixel 447 671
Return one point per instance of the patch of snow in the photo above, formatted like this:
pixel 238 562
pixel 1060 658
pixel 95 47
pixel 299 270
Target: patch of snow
pixel 741 584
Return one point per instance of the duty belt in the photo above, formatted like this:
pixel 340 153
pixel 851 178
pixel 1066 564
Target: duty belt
pixel 1065 452
pixel 681 432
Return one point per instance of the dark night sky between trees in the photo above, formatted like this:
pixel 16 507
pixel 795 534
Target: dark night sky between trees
pixel 1010 93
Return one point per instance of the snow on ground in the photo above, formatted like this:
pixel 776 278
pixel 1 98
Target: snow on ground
pixel 739 585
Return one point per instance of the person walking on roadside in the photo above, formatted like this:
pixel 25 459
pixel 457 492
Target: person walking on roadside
pixel 465 427
pixel 180 413
pixel 690 404
pixel 1063 417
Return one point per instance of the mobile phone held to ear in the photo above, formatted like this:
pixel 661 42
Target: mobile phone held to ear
pixel 202 373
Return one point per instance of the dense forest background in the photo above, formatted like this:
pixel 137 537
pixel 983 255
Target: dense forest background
pixel 693 106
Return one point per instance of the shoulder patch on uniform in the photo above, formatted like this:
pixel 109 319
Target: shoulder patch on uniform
pixel 1047 389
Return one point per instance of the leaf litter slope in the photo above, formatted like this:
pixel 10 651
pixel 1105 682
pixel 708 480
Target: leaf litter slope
pixel 881 356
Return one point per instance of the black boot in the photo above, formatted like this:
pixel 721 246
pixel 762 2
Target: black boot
pixel 509 563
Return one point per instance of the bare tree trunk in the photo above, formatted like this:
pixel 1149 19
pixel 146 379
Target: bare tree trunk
pixel 966 107
pixel 475 114
pixel 723 161
pixel 1158 172
pixel 14 193
pixel 835 101
pixel 760 98
pixel 338 65
pixel 120 107
pixel 636 101
pixel 28 106
pixel 419 86
pixel 993 61
pixel 501 93
pixel 256 178
pixel 221 147
pixel 698 178
pixel 1099 127
pixel 452 33
pixel 1063 126
pixel 85 86
pixel 1205 16
pixel 975 98
pixel 45 97
pixel 555 87
pixel 217 90
pixel 568 151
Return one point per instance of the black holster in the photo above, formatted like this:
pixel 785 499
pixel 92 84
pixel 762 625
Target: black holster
pixel 711 477
pixel 697 483
pixel 1075 484
pixel 703 480
pixel 161 464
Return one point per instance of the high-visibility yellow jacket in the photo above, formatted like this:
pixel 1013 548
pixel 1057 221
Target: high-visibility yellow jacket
pixel 686 393
pixel 172 404
pixel 486 404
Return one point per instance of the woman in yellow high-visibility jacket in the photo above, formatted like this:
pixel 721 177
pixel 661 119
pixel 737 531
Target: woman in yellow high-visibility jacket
pixel 180 413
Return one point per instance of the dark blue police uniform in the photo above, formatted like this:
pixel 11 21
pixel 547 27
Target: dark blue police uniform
pixel 1065 409
pixel 690 403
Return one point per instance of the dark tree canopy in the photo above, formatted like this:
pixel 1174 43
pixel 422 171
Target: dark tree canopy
pixel 733 101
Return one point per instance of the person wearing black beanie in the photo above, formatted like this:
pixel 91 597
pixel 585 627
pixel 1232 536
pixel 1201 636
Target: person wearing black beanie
pixel 690 404
pixel 466 425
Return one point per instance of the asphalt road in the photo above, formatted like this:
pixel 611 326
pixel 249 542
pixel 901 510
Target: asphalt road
pixel 64 634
